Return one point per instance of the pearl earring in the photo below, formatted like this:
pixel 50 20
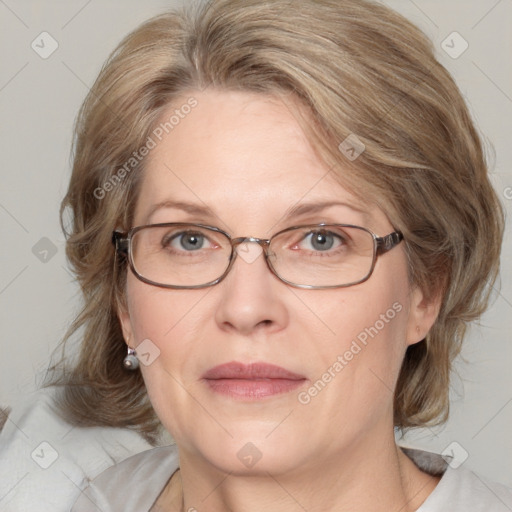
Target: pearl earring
pixel 130 361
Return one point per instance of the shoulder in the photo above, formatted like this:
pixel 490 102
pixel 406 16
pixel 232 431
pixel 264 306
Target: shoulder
pixel 45 461
pixel 132 485
pixel 460 489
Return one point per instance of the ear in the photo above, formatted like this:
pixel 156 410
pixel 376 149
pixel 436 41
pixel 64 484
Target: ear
pixel 126 325
pixel 422 315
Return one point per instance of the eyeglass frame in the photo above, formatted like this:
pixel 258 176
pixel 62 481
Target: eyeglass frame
pixel 122 243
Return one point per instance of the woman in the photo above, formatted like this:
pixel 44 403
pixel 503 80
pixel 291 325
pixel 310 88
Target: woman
pixel 282 223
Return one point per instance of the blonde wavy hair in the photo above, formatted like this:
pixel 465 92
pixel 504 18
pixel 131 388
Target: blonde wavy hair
pixel 357 68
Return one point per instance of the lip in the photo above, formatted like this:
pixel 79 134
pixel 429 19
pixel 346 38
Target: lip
pixel 251 381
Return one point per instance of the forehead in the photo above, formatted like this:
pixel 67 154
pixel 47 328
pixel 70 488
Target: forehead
pixel 240 156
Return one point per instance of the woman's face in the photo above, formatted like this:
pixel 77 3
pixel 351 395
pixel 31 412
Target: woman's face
pixel 240 162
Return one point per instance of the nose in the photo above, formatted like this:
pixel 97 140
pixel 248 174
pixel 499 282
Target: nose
pixel 251 297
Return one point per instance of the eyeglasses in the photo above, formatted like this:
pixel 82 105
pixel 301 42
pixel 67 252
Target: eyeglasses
pixel 314 256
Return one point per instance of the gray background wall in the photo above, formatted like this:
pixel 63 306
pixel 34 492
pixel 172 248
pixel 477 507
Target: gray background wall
pixel 39 98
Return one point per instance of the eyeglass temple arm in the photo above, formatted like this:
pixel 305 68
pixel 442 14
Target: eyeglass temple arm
pixel 386 243
pixel 120 241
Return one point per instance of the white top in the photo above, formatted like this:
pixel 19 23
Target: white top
pixel 45 462
pixel 135 484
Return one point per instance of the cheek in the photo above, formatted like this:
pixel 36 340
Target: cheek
pixel 165 324
pixel 160 314
pixel 369 344
pixel 358 363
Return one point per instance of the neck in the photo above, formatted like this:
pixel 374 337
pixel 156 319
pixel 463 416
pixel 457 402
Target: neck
pixel 366 476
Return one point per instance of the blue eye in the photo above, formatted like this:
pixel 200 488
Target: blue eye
pixel 186 241
pixel 191 241
pixel 322 240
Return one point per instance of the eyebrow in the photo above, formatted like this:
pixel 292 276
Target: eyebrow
pixel 193 209
pixel 316 207
pixel 295 211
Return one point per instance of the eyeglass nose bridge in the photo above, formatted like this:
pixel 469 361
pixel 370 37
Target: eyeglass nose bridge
pixel 262 242
pixel 246 255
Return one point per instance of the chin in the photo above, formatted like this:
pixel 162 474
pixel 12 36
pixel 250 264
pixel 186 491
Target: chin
pixel 252 451
pixel 254 460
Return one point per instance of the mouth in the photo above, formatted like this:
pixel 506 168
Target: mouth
pixel 251 381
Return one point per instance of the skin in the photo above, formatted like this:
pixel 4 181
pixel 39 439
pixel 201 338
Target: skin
pixel 246 158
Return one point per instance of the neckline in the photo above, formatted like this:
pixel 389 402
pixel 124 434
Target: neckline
pixel 162 490
pixel 431 463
